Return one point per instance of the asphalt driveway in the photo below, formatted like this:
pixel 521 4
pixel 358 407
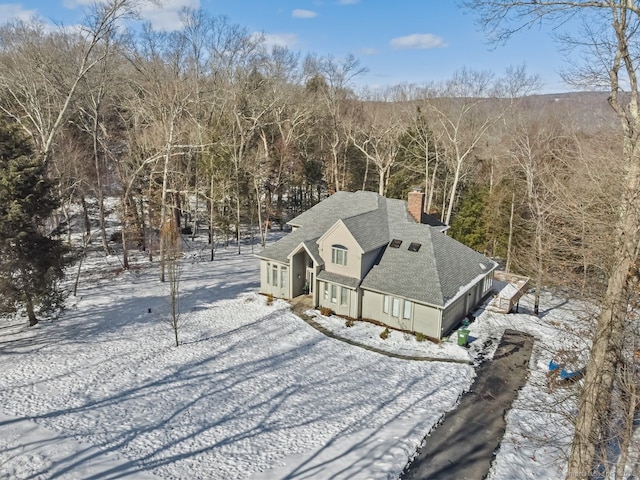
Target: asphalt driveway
pixel 463 446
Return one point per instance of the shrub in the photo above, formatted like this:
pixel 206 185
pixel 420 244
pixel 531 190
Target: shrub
pixel 326 311
pixel 385 333
pixel 420 337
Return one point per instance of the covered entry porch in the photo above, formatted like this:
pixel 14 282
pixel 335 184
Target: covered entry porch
pixel 304 263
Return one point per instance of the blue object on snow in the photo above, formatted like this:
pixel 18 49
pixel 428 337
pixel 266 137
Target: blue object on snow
pixel 553 366
pixel 565 375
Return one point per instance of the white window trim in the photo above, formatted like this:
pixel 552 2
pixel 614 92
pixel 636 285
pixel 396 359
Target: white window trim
pixel 406 310
pixel 339 255
pixel 395 307
pixel 487 284
pixel 344 296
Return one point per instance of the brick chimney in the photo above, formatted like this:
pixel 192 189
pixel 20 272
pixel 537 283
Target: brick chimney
pixel 416 204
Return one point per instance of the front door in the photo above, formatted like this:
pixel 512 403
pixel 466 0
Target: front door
pixel 310 280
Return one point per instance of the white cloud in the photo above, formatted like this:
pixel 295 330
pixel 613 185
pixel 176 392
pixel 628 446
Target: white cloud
pixel 14 11
pixel 348 2
pixel 369 51
pixel 300 13
pixel 418 41
pixel 165 16
pixel 71 4
pixel 162 15
pixel 280 39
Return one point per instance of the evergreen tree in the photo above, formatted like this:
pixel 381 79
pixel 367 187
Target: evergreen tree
pixel 468 224
pixel 31 263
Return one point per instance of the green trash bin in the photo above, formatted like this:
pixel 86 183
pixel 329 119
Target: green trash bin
pixel 463 337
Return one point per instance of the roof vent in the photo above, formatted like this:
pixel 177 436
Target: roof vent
pixel 395 243
pixel 414 247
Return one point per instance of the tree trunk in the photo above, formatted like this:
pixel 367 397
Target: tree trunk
pixel 366 173
pixel 539 275
pixel 163 203
pixel 212 241
pixel 432 185
pixel 507 267
pixel 607 341
pixel 75 284
pixel 453 192
pixel 28 303
pixel 631 394
pixel 262 231
pixel 238 215
pixel 99 186
pixel 123 233
pixel 85 216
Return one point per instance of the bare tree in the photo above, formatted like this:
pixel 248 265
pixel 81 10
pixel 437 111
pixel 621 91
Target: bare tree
pixel 172 239
pixel 610 30
pixel 334 77
pixel 535 154
pixel 465 107
pixel 41 70
pixel 162 102
pixel 377 137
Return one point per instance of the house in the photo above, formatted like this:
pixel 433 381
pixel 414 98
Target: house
pixel 366 256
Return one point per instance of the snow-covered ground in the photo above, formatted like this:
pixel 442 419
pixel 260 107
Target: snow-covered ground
pixel 252 391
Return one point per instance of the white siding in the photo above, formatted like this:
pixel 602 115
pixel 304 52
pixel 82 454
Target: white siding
pixel 426 320
pixel 267 285
pixel 348 309
pixel 339 235
pixel 423 319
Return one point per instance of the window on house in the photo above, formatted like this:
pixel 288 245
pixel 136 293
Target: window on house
pixel 274 275
pixel 326 291
pixel 385 303
pixel 406 310
pixel 395 307
pixel 334 294
pixel 344 295
pixel 268 274
pixel 395 243
pixel 488 282
pixel 414 247
pixel 339 255
pixel 284 277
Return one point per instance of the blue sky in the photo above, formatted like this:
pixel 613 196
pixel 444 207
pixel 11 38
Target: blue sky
pixel 399 41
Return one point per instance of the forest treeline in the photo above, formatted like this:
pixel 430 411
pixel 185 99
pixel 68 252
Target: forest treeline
pixel 210 127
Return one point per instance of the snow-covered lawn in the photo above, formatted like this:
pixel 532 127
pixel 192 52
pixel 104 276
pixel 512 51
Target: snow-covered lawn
pixel 253 391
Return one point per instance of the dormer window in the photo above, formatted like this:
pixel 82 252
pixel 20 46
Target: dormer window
pixel 339 255
pixel 395 243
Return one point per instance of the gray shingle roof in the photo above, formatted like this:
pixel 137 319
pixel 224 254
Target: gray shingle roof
pixel 318 219
pixel 339 205
pixel 339 279
pixel 434 274
pixel 370 229
pixel 280 250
